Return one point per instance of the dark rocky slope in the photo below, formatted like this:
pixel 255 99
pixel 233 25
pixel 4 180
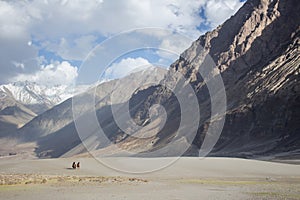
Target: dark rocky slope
pixel 257 53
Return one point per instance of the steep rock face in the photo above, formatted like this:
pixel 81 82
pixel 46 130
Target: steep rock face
pixel 265 120
pixel 257 53
pixel 260 70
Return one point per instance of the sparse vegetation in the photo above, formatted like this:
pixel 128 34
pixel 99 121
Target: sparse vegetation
pixel 26 179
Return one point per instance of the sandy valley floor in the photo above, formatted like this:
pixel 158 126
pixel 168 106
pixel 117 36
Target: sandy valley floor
pixel 187 178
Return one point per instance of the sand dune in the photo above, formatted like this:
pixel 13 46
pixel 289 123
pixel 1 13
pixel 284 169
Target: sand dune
pixel 187 178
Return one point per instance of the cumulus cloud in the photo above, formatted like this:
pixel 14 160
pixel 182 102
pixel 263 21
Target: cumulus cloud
pixel 72 49
pixel 55 20
pixel 16 56
pixel 58 18
pixel 70 30
pixel 53 74
pixel 125 67
pixel 13 20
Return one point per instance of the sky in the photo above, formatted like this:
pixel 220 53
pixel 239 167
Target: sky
pixel 57 41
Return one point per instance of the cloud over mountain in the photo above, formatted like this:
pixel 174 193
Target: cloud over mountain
pixel 35 33
pixel 53 74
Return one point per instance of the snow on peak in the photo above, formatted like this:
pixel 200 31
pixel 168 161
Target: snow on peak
pixel 31 93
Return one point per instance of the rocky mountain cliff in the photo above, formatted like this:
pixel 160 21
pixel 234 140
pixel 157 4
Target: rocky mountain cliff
pixel 257 53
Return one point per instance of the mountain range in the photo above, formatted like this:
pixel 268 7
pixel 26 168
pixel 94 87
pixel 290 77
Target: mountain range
pixel 13 114
pixel 38 97
pixel 257 54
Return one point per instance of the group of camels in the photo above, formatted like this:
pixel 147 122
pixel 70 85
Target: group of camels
pixel 74 165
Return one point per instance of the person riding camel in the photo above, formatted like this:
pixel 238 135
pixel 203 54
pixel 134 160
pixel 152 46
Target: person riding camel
pixel 74 165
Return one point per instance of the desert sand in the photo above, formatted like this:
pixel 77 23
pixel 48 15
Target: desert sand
pixel 187 178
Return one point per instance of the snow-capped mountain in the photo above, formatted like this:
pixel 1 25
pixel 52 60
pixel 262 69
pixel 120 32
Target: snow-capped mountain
pixel 39 97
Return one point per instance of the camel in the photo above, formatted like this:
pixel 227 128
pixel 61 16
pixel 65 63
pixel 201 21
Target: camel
pixel 74 165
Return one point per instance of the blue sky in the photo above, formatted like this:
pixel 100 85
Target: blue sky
pixel 53 38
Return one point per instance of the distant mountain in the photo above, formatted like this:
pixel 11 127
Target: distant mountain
pixel 54 131
pixel 13 115
pixel 38 98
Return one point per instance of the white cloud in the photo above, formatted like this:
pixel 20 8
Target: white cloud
pixel 110 17
pixel 171 47
pixel 71 28
pixel 175 44
pixel 13 20
pixel 18 65
pixel 70 49
pixel 125 67
pixel 217 11
pixel 53 74
pixel 15 54
pixel 68 25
